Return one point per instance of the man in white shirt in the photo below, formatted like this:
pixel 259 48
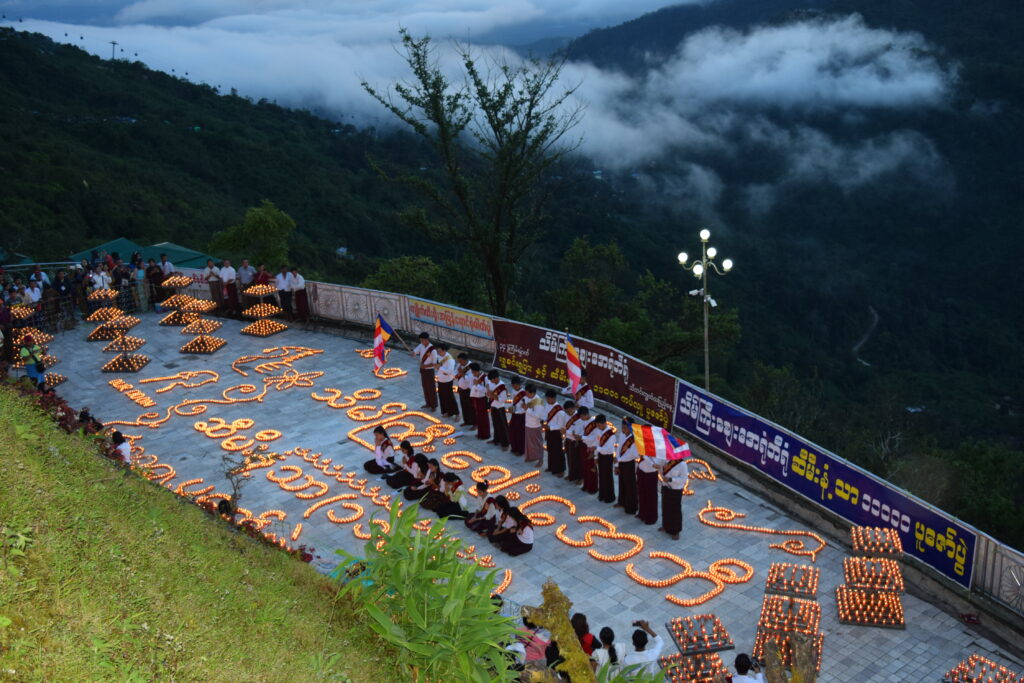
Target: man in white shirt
pixel 584 395
pixel 300 300
pixel 445 375
pixel 625 467
pixel 533 439
pixel 33 292
pixel 517 423
pixel 574 443
pixel 166 267
pixel 646 650
pixel 39 276
pixel 747 670
pixel 497 393
pixel 100 278
pixel 673 480
pixel 555 418
pixel 647 490
pixel 478 392
pixel 284 290
pixel 605 451
pixel 464 380
pixel 211 273
pixel 427 354
pixel 230 279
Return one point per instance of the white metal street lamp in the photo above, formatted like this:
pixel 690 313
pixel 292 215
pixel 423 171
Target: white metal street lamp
pixel 700 270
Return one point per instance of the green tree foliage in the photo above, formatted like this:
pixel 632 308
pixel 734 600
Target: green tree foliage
pixel 430 603
pixel 415 275
pixel 262 237
pixel 495 140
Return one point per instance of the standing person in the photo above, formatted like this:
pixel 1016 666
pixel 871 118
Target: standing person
pixel 573 435
pixel 625 467
pixel 496 393
pixel 605 450
pixel 229 277
pixel 154 276
pixel 445 375
pixel 166 270
pixel 100 278
pixel 32 355
pixel 517 424
pixel 554 422
pixel 464 380
pixel 478 392
pixel 533 438
pixel 383 454
pixel 246 277
pixel 211 273
pixel 673 479
pixel 646 650
pixel 592 433
pixel 609 652
pixel 647 490
pixel 300 299
pixel 283 280
pixel 427 354
pixel 262 276
pixel 584 394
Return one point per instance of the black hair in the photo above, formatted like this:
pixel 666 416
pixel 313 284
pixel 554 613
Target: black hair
pixel 583 372
pixel 224 507
pixel 117 438
pixel 607 637
pixel 600 418
pixel 474 366
pixel 380 430
pixel 580 625
pixel 584 410
pixel 516 379
pixel 570 404
pixel 550 393
pixel 462 355
pixel 435 461
pixel 421 461
pixel 527 623
pixel 442 346
pixel 424 335
pixel 492 374
pixel 639 639
pixel 502 502
pixel 481 486
pixel 450 476
pixel 531 387
pixel 743 663
pixel 405 446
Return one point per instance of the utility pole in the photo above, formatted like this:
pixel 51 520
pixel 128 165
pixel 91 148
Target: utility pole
pixel 113 49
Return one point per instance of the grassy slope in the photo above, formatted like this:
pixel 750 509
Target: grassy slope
pixel 125 582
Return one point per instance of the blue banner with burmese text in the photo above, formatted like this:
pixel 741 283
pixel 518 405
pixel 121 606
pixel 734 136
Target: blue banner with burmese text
pixel 939 541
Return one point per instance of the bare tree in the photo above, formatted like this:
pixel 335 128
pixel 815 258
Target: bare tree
pixel 496 136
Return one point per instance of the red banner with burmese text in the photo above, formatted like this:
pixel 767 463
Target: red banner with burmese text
pixel 623 381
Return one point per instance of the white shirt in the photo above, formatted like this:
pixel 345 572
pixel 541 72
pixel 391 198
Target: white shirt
pixel 246 274
pixel 648 656
pixel 478 388
pixel 748 678
pixel 592 437
pixel 40 276
pixel 499 390
pixel 464 375
pixel 575 430
pixel 166 267
pixel 586 397
pixel 536 411
pixel 33 294
pixel 381 453
pixel 227 274
pixel 298 283
pixel 284 282
pixel 600 655
pixel 676 478
pixel 519 402
pixel 211 273
pixel 556 421
pixel 125 451
pixel 608 445
pixel 101 280
pixel 525 535
pixel 446 368
pixel 646 465
pixel 627 452
pixel 427 355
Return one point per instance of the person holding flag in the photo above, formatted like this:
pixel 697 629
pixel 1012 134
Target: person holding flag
pixel 658 447
pixel 573 367
pixel 583 394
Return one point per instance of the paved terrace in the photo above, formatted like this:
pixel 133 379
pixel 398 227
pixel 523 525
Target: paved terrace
pixel 932 643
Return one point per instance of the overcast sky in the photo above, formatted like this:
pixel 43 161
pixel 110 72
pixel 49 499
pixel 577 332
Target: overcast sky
pixel 721 90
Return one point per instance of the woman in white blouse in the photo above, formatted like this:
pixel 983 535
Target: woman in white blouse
pixel 404 476
pixel 520 541
pixel 383 454
pixel 610 653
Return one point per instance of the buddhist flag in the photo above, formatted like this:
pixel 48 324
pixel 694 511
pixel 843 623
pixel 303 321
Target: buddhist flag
pixel 381 333
pixel 572 364
pixel 655 442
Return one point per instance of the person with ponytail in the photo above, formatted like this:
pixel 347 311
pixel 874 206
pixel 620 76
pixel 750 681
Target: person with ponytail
pixel 383 454
pixel 404 476
pixel 609 652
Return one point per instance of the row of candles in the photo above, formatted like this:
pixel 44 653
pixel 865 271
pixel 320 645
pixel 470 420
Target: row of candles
pixel 868 540
pixel 873 573
pixel 869 608
pixel 790 609
pixel 870 596
pixel 800 580
pixel 978 669
pixel 699 633
pixel 786 614
pixel 702 668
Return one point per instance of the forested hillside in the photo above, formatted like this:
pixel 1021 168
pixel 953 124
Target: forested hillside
pixel 92 149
